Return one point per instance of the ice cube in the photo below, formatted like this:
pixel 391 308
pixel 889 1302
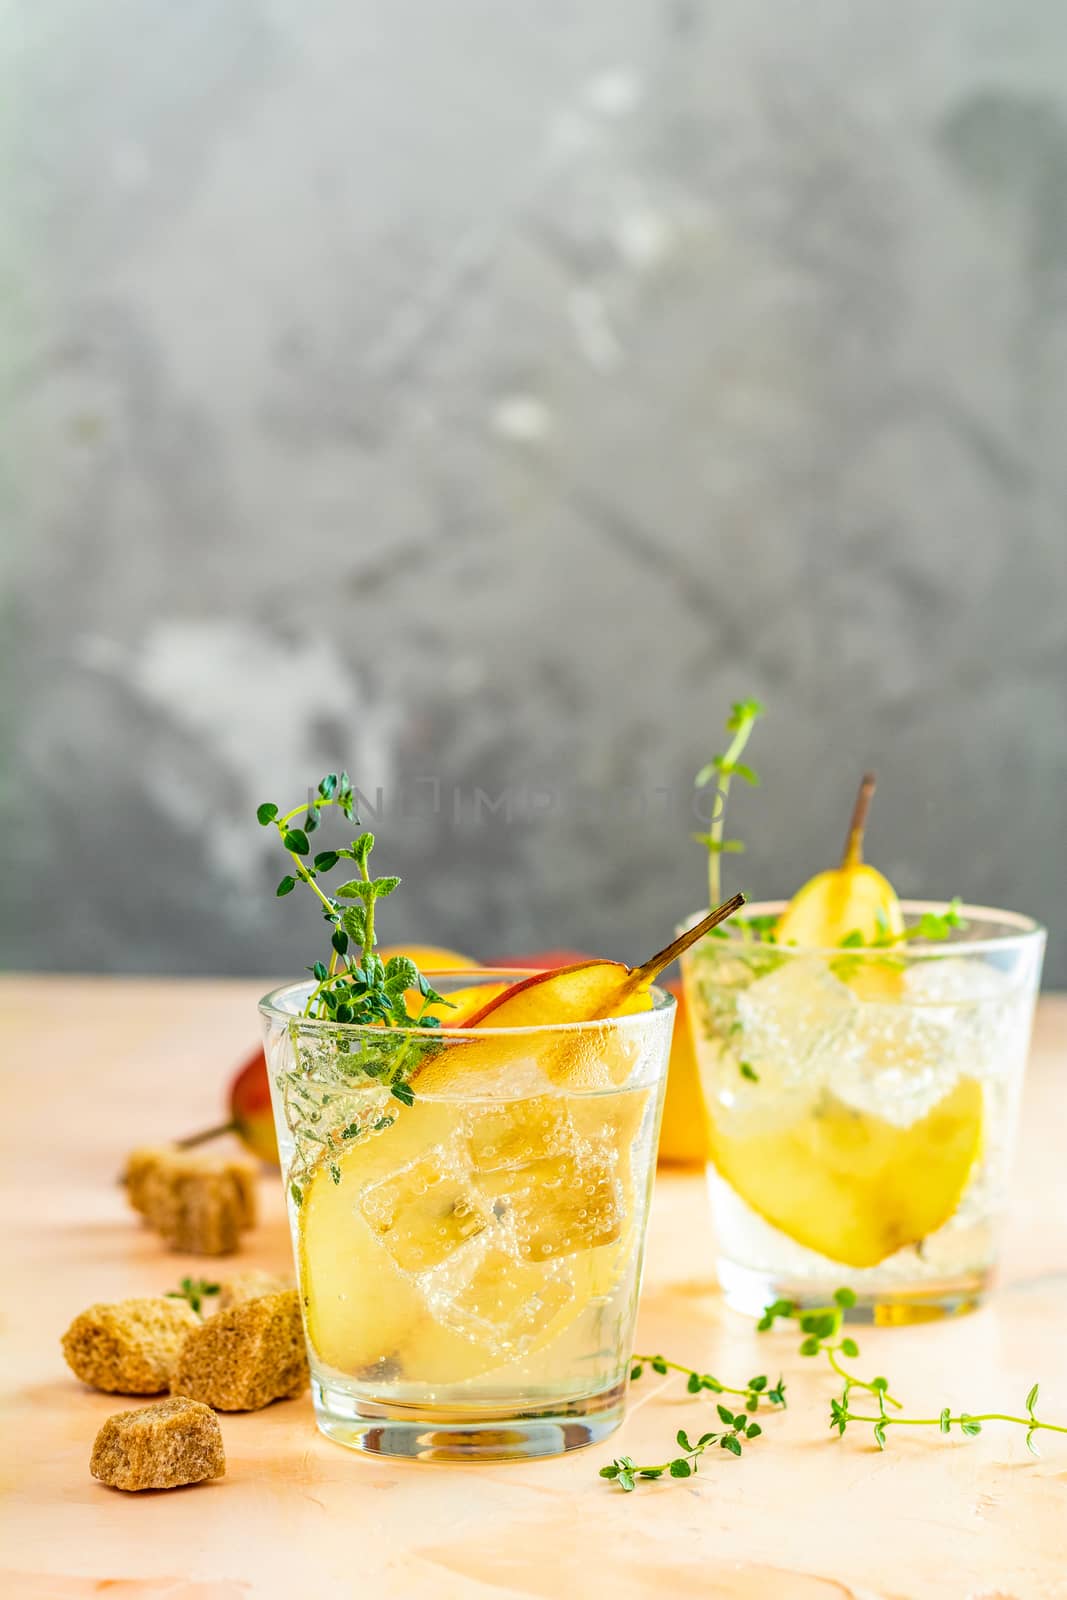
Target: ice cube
pixel 986 1015
pixel 484 1293
pixel 558 1205
pixel 769 1067
pixel 425 1211
pixel 793 1018
pixel 895 1062
pixel 593 1058
pixel 947 980
pixel 513 1133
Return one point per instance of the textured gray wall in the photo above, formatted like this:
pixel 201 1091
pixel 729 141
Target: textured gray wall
pixel 488 392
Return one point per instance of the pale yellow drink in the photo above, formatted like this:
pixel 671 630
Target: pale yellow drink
pixel 470 1264
pixel 861 1109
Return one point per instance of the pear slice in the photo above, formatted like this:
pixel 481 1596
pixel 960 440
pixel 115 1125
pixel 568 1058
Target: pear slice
pixel 590 991
pixel 851 1185
pixel 461 1004
pixel 851 898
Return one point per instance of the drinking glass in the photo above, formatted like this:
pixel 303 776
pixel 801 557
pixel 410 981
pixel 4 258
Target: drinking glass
pixel 469 1264
pixel 862 1107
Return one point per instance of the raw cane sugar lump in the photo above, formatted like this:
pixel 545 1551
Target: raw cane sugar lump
pixel 251 1285
pixel 170 1186
pixel 139 1165
pixel 161 1446
pixel 198 1203
pixel 129 1347
pixel 246 1356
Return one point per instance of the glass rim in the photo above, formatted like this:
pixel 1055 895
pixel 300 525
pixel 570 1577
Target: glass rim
pixel 1027 930
pixel 662 1002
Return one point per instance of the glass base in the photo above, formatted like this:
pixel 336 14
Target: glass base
pixel 438 1433
pixel 749 1290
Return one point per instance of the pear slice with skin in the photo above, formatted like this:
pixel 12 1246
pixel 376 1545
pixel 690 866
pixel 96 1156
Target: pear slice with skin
pixel 590 991
pixel 849 899
pixel 460 1004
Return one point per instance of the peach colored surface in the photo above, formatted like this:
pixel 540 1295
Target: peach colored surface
pixel 92 1067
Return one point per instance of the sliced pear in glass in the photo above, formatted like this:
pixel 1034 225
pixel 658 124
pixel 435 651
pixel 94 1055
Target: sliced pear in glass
pixel 591 991
pixel 390 1332
pixel 851 1185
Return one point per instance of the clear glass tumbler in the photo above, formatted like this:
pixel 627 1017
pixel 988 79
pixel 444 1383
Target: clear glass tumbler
pixel 862 1106
pixel 469 1265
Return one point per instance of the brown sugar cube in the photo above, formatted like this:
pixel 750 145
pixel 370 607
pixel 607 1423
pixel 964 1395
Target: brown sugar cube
pixel 244 1174
pixel 150 1166
pixel 251 1285
pixel 247 1356
pixel 199 1212
pixel 198 1203
pixel 129 1347
pixel 160 1446
pixel 140 1164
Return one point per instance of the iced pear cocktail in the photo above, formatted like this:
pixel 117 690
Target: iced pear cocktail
pixel 861 1061
pixel 862 1113
pixel 469 1263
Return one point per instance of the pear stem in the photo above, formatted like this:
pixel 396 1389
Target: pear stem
pixel 654 966
pixel 208 1133
pixel 853 854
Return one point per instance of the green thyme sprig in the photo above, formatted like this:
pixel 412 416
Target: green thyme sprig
pixel 724 768
pixel 355 985
pixel 738 1431
pixel 755 1390
pixel 738 1427
pixel 193 1291
pixel 821 1327
pixel 326 1100
pixel 933 927
pixel 968 1424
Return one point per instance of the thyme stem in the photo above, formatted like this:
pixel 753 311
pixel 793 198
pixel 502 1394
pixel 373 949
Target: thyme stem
pixel 705 1380
pixel 965 1416
pixel 726 769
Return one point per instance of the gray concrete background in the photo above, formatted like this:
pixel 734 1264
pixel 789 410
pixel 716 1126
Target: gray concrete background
pixel 488 392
